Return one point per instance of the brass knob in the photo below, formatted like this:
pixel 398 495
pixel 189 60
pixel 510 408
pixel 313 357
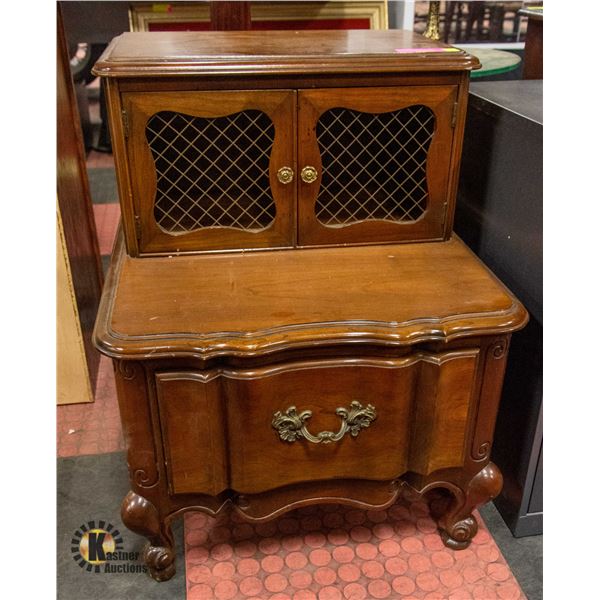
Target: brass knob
pixel 308 174
pixel 285 174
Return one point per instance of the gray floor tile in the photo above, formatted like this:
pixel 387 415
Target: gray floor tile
pixel 523 555
pixel 103 186
pixel 90 488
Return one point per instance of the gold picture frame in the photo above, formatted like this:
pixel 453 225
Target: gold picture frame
pixel 142 14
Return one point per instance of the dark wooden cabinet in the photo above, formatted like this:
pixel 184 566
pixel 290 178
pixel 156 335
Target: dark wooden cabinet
pixel 499 215
pixel 278 339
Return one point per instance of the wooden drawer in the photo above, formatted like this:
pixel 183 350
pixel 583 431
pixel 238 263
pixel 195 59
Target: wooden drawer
pixel 238 429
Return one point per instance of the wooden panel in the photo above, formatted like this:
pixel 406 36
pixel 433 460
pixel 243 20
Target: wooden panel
pixel 143 455
pixel 441 412
pixel 287 82
pixel 533 62
pixel 75 206
pixel 369 154
pixel 191 414
pixel 72 377
pixel 279 106
pixel 229 16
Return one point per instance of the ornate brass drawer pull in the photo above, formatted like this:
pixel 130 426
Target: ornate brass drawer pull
pixel 285 175
pixel 290 424
pixel 308 174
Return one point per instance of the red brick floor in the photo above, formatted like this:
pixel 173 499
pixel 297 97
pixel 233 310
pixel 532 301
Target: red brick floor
pixel 99 160
pixel 107 221
pixel 92 427
pixel 333 552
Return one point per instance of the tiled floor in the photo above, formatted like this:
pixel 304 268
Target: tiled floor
pixel 333 552
pixel 95 427
pixel 99 160
pixel 107 221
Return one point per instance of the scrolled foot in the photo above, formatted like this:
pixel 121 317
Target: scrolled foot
pixel 457 524
pixel 160 562
pixel 460 534
pixel 142 517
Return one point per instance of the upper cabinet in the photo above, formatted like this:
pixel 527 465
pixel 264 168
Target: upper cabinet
pixel 288 140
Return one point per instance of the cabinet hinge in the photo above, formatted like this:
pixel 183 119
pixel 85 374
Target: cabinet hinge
pixel 454 113
pixel 138 228
pixel 125 119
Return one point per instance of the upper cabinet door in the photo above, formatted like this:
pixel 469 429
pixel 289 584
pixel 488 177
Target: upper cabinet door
pixel 374 164
pixel 212 170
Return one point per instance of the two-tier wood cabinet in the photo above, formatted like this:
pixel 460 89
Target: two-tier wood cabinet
pixel 291 319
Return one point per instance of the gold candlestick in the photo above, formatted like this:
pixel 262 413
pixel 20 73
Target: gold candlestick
pixel 433 22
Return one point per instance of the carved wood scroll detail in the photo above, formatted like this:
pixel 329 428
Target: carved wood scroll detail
pixel 499 348
pixel 134 406
pixel 126 369
pixel 141 478
pixel 482 451
pixel 492 384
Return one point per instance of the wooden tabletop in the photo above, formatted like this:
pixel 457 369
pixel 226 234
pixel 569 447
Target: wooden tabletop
pixel 144 54
pixel 251 303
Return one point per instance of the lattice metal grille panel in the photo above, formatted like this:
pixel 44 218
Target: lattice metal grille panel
pixel 212 172
pixel 373 165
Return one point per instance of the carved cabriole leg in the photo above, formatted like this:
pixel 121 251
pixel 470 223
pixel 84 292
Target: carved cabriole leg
pixel 141 516
pixel 457 524
pixel 458 527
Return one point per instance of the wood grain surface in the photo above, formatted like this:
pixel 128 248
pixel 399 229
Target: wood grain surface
pixel 247 52
pixel 248 303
